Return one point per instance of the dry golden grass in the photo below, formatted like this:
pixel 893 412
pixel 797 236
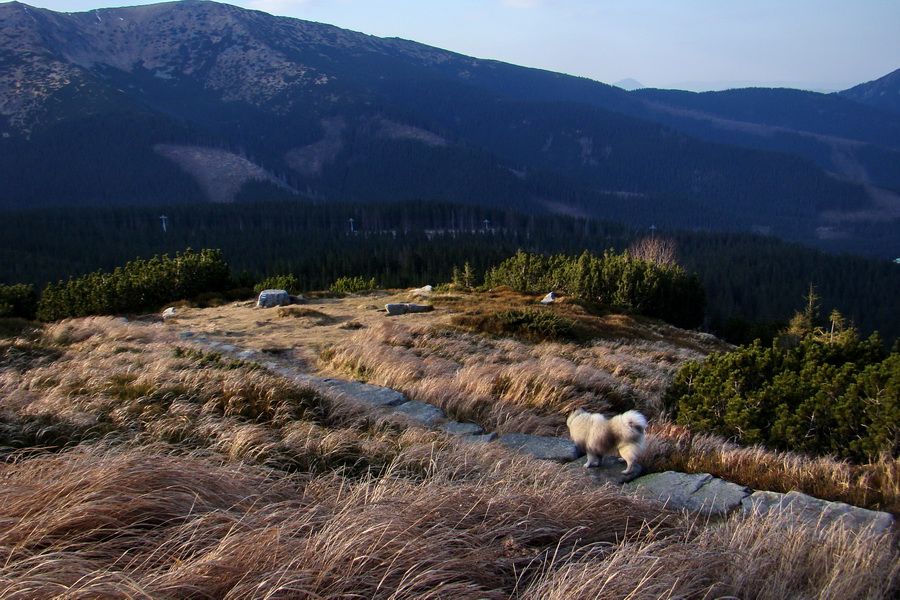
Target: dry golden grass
pixel 770 558
pixel 875 486
pixel 171 472
pixel 510 385
pixel 156 523
pixel 153 522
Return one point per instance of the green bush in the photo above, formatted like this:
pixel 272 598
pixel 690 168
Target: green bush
pixel 17 301
pixel 289 283
pixel 664 291
pixel 819 397
pixel 138 286
pixel 352 285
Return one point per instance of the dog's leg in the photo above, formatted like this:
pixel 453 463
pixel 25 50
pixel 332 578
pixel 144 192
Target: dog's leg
pixel 593 460
pixel 629 455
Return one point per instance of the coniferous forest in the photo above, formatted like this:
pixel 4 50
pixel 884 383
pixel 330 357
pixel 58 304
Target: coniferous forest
pixel 753 284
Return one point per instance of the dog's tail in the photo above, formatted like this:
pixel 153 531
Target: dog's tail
pixel 636 421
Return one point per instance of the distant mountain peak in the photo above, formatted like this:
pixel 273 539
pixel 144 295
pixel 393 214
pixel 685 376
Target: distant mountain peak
pixel 883 92
pixel 629 84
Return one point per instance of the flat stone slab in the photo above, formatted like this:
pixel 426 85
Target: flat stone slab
pixel 457 428
pixel 815 510
pixel 695 492
pixel 545 448
pixel 483 438
pixel 374 395
pixel 609 471
pixel 426 414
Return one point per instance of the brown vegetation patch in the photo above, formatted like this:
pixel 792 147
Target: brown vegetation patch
pixel 307 316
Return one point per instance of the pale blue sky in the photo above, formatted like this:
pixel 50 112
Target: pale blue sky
pixel 813 44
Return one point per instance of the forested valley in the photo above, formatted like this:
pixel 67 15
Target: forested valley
pixel 753 283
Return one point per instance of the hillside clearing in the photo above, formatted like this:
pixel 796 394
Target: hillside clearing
pixel 142 464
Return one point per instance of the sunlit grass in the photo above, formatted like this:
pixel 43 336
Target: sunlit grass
pixel 132 470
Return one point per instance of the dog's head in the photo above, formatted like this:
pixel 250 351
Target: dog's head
pixel 635 420
pixel 575 414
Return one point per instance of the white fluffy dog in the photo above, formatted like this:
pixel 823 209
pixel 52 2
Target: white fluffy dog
pixel 598 436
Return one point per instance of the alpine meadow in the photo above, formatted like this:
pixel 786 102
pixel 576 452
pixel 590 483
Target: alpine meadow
pixel 289 311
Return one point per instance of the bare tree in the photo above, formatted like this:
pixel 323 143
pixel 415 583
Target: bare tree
pixel 662 251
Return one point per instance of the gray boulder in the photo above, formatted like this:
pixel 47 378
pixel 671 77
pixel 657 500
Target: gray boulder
pixel 426 414
pixel 815 510
pixel 545 448
pixel 423 291
pixel 402 308
pixel 697 492
pixel 270 298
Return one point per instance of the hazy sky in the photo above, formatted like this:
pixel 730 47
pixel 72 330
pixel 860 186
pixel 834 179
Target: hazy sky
pixel 812 44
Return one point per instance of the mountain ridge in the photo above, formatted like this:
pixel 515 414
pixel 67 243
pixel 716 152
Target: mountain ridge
pixel 883 92
pixel 332 114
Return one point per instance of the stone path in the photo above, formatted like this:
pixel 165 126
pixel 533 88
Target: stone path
pixel 699 493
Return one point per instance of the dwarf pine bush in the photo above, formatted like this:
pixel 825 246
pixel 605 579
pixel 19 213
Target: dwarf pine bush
pixel 289 283
pixel 352 285
pixel 139 285
pixel 661 290
pixel 839 398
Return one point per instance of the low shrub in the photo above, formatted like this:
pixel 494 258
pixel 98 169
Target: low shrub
pixel 661 290
pixel 352 285
pixel 840 398
pixel 289 283
pixel 138 286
